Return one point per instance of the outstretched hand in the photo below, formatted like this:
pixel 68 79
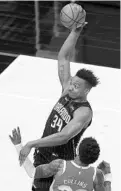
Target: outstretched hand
pixel 16 139
pixel 16 136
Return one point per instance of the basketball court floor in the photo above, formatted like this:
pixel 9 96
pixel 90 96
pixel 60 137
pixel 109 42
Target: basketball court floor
pixel 29 88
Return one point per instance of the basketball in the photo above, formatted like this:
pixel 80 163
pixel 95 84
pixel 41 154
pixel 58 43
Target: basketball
pixel 72 14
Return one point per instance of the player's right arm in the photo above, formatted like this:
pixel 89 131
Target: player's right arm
pixel 99 183
pixel 107 186
pixel 106 170
pixel 64 56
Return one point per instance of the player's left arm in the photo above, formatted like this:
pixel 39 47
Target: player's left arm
pixel 48 170
pixel 82 116
pixel 98 183
pixel 42 171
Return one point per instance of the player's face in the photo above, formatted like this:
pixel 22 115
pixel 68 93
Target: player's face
pixel 77 87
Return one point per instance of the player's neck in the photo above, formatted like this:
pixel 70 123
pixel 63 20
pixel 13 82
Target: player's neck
pixel 78 162
pixel 80 99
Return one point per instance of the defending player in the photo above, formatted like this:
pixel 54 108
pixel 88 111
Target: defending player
pixel 69 118
pixel 73 175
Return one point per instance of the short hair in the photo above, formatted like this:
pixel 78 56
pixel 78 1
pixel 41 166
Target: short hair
pixel 88 76
pixel 89 150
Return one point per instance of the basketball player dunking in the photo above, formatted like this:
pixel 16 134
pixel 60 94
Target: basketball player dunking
pixel 69 118
pixel 71 175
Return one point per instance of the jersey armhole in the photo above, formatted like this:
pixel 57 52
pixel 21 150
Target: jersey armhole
pixel 95 172
pixel 94 175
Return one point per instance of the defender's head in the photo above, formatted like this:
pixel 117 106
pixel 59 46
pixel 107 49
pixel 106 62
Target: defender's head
pixel 88 151
pixel 81 83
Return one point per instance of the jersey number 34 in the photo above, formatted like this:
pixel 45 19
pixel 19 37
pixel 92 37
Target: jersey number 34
pixel 57 122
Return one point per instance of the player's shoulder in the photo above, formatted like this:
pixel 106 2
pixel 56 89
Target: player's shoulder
pixel 57 163
pixel 99 178
pixel 83 111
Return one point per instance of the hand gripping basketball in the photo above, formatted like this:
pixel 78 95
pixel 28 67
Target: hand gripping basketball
pixel 72 15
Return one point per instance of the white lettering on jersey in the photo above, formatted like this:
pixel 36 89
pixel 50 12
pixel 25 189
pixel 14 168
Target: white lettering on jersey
pixel 68 188
pixel 57 122
pixel 79 183
pixel 63 112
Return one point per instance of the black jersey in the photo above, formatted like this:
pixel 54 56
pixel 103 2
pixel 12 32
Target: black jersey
pixel 60 116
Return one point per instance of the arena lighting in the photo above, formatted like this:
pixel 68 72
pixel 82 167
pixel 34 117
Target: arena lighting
pixel 29 88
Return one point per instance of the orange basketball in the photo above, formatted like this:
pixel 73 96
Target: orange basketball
pixel 72 14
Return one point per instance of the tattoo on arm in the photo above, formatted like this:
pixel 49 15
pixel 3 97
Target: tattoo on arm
pixel 47 170
pixel 64 70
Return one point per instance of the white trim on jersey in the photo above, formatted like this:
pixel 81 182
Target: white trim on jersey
pixel 83 167
pixel 51 187
pixel 95 171
pixel 64 167
pixel 59 173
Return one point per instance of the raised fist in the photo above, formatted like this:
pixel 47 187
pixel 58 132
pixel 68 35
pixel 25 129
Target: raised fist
pixel 105 167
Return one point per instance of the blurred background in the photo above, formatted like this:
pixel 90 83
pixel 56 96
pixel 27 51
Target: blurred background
pixel 33 28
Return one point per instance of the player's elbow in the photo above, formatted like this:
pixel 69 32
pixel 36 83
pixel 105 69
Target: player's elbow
pixel 72 132
pixel 63 137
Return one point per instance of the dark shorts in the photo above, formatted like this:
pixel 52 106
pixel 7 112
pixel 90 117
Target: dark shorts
pixel 42 184
pixel 39 189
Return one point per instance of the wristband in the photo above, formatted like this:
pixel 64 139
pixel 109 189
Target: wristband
pixel 108 177
pixel 18 147
pixel 28 166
